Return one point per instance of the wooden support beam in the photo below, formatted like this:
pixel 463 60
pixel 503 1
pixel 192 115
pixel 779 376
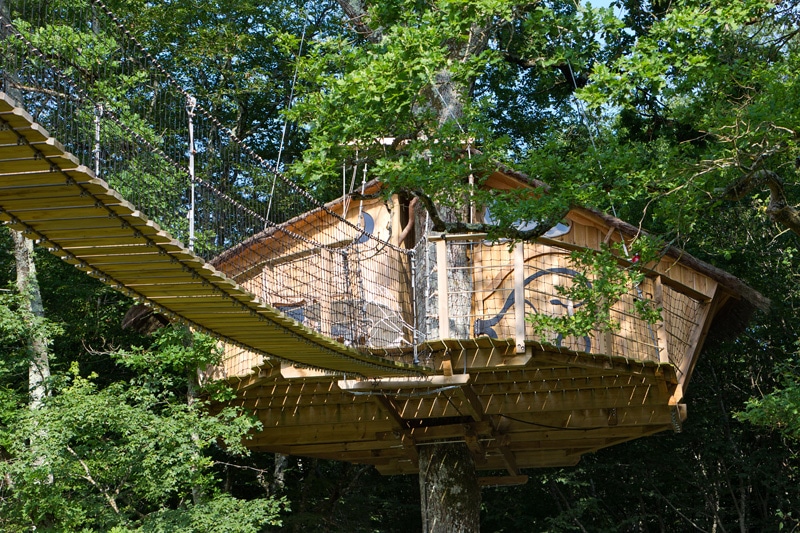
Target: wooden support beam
pixel 332 432
pixel 695 342
pixel 289 371
pixel 491 357
pixel 661 329
pixel 605 364
pixel 502 481
pixel 519 297
pixel 391 384
pixel 410 447
pixel 392 411
pixel 561 377
pixel 442 432
pixel 476 447
pixel 447 365
pixel 563 385
pixel 508 456
pixel 516 403
pixel 471 402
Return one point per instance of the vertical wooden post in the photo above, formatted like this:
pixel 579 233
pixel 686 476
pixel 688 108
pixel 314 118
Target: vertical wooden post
pixel 661 329
pixel 519 297
pixel 441 270
pixel 605 341
pixel 326 297
pixel 697 337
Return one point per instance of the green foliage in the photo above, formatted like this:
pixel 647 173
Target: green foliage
pixel 392 90
pixel 116 455
pixel 18 325
pixel 780 409
pixel 176 350
pixel 221 514
pixel 602 279
pixel 706 91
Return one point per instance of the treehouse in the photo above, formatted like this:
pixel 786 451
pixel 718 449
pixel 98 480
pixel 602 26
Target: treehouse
pixel 456 306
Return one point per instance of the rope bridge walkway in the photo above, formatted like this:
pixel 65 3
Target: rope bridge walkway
pixel 149 189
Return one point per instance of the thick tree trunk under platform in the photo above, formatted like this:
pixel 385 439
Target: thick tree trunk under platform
pixel 450 497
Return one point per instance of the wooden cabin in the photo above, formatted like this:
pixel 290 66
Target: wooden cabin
pixel 517 399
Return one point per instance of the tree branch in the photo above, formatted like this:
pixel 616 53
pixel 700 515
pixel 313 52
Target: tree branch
pixel 566 70
pixel 778 209
pixel 356 12
pixel 474 227
pixel 88 477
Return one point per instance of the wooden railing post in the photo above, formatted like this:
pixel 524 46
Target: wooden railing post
pixel 326 297
pixel 661 329
pixel 441 269
pixel 519 297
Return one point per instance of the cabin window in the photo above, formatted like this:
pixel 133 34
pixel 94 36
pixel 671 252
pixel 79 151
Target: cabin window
pixel 562 228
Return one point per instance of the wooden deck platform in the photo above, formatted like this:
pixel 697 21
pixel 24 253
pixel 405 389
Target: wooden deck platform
pixel 544 407
pixel 46 193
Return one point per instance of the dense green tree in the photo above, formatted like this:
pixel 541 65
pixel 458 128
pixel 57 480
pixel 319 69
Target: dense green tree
pixel 664 112
pixel 120 451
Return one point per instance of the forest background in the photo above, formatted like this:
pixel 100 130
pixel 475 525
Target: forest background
pixel 681 116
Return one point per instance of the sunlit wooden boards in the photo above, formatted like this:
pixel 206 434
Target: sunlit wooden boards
pixel 546 409
pixel 47 194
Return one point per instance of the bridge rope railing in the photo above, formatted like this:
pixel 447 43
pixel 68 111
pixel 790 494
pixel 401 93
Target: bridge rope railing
pixel 79 70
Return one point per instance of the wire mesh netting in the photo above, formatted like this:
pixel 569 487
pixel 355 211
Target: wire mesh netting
pixel 83 75
pixel 681 315
pixel 491 309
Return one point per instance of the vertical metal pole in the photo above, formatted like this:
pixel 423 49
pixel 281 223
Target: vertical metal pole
pixel 98 115
pixel 191 103
pixel 414 319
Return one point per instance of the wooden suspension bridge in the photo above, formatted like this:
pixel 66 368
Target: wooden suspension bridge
pixel 51 197
pixel 340 329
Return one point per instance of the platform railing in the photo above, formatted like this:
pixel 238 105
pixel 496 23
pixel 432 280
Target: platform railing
pixel 506 285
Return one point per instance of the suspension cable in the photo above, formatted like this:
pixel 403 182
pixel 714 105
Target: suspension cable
pixel 286 118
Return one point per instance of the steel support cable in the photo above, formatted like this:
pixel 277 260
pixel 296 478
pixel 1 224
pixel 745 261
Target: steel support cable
pixel 246 148
pixel 286 121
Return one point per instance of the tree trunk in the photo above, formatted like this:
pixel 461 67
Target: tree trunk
pixel 28 287
pixel 450 497
pixel 192 395
pixel 39 360
pixel 278 484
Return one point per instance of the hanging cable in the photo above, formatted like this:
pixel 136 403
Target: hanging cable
pixel 191 104
pixel 286 120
